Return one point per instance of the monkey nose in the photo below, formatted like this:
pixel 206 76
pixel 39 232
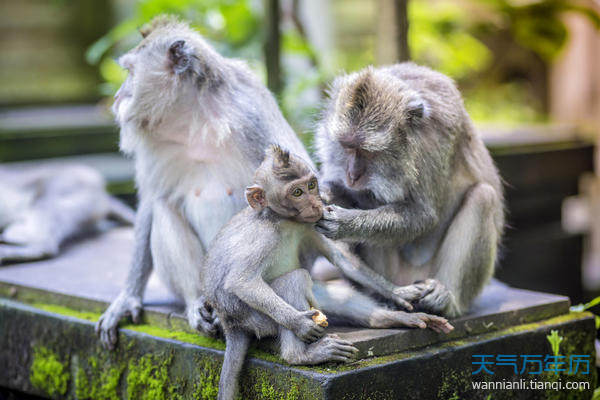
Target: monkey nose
pixel 353 177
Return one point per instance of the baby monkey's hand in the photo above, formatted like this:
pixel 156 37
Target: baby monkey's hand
pixel 305 328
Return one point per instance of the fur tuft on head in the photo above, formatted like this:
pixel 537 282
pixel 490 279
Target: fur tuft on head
pixel 158 22
pixel 281 157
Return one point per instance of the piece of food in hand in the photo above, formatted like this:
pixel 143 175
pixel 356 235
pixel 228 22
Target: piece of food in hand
pixel 320 318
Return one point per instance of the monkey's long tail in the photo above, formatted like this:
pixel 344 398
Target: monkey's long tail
pixel 120 212
pixel 235 354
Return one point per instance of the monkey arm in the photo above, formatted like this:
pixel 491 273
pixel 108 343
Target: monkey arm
pixel 141 266
pixel 354 269
pixel 396 223
pixel 255 292
pixel 129 301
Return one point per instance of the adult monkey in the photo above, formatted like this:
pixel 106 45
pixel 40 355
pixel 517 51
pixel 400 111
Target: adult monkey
pixel 415 188
pixel 43 206
pixel 196 124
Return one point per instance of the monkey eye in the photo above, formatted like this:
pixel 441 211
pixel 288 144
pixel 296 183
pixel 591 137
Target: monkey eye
pixel 297 192
pixel 312 185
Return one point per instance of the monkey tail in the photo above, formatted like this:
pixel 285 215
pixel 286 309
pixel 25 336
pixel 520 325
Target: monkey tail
pixel 235 354
pixel 120 212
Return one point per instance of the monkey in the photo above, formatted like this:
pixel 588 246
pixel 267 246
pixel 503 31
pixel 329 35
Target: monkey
pixel 196 124
pixel 415 192
pixel 44 205
pixel 256 283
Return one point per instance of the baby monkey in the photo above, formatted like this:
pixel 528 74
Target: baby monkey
pixel 256 285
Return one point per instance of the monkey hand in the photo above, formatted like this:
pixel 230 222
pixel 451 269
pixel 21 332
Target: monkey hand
pixel 106 327
pixel 305 328
pixel 439 300
pixel 326 193
pixel 403 296
pixel 335 223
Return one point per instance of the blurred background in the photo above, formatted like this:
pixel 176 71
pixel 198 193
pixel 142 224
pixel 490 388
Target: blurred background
pixel 529 71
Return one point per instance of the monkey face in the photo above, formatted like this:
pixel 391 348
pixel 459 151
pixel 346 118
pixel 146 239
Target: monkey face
pixel 300 200
pixel 287 185
pixel 367 133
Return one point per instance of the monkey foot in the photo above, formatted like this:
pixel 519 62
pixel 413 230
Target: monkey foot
pixel 329 348
pixel 203 318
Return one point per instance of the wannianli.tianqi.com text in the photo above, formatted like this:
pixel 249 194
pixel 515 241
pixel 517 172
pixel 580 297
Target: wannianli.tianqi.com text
pixel 529 384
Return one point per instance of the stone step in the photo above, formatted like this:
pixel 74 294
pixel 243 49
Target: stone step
pixel 57 355
pixel 90 273
pixel 50 307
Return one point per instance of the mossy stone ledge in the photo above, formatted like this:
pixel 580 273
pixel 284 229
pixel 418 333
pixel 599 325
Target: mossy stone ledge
pixel 49 348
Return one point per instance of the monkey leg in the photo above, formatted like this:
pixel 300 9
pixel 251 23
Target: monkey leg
pixel 235 354
pixel 177 255
pixel 14 253
pixel 295 288
pixel 466 257
pixel 348 304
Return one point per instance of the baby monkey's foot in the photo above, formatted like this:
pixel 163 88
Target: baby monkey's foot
pixel 202 317
pixel 330 348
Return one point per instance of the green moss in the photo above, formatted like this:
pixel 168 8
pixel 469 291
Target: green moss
pixel 48 373
pixel 262 384
pixel 98 380
pixel 153 330
pixel 53 308
pixel 207 386
pixel 193 338
pixel 148 378
pixel 82 388
pixel 452 381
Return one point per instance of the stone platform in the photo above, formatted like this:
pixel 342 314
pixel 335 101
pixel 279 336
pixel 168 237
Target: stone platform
pixel 48 346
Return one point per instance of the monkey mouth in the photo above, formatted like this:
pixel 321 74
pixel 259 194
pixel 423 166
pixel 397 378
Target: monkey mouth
pixel 310 217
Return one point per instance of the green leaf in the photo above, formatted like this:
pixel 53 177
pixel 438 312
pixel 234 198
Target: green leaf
pixel 555 340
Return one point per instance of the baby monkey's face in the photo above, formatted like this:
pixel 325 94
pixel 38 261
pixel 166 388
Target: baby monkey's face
pixel 301 199
pixel 288 186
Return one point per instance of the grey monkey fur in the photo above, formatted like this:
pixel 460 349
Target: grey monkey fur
pixel 417 193
pixel 43 206
pixel 196 124
pixel 257 286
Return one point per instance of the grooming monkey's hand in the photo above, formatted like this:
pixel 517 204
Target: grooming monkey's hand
pixel 326 193
pixel 123 306
pixel 335 223
pixel 438 301
pixel 405 295
pixel 305 328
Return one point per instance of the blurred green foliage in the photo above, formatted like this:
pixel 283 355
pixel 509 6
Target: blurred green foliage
pixel 234 27
pixel 535 24
pixel 455 37
pixel 231 25
pixel 440 38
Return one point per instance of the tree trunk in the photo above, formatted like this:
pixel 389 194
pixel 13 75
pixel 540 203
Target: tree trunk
pixel 272 47
pixel 392 31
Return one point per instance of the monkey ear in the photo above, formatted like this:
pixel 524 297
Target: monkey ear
pixel 255 195
pixel 179 56
pixel 416 110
